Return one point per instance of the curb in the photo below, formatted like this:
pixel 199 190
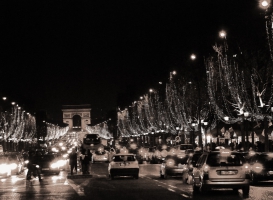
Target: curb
pixel 79 176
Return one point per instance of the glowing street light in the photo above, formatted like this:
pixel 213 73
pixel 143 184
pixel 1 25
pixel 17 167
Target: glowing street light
pixel 193 56
pixel 265 3
pixel 222 34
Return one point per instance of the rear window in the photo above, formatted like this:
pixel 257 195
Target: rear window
pixel 100 152
pixel 216 159
pixel 92 136
pixel 177 160
pixel 122 158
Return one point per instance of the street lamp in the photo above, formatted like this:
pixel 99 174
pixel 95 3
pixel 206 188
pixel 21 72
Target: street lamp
pixel 193 56
pixel 264 4
pixel 223 34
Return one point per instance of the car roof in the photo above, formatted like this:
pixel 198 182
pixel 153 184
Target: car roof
pixel 124 154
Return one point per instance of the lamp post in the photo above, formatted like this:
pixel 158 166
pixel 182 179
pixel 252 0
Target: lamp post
pixel 246 115
pixel 193 124
pixel 267 6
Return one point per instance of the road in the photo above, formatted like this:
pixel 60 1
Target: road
pixel 100 187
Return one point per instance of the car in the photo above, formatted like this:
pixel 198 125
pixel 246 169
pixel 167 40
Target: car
pixel 184 149
pixel 261 167
pixel 49 163
pixel 100 155
pixel 123 165
pixel 92 139
pixel 16 164
pixel 191 163
pixel 173 166
pixel 221 169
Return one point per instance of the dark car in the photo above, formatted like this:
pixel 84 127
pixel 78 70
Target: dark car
pixel 261 167
pixel 92 139
pixel 221 169
pixel 48 163
pixel 173 166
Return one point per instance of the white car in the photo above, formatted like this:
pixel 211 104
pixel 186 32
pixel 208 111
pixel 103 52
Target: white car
pixel 123 165
pixel 100 156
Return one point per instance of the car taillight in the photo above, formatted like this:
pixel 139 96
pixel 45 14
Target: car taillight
pixel 206 168
pixel 257 167
pixel 246 168
pixel 13 166
pixel 170 162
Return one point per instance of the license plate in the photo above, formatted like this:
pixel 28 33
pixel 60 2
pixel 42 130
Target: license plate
pixel 91 145
pixel 45 168
pixel 228 172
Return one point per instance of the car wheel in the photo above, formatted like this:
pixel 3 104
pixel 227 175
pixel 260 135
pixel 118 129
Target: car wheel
pixel 136 176
pixel 246 190
pixel 235 190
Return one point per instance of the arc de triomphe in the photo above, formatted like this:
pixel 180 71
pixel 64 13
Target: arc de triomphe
pixel 77 116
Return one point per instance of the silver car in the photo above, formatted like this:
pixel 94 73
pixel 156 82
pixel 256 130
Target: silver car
pixel 221 169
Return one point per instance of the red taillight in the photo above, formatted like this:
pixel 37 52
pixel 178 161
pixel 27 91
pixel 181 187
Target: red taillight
pixel 246 168
pixel 257 167
pixel 206 168
pixel 170 162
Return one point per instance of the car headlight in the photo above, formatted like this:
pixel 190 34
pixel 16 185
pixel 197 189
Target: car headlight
pixel 61 163
pixel 26 161
pixel 4 168
pixel 13 166
pixel 54 165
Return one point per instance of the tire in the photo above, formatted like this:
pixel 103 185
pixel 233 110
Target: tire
pixel 161 176
pixel 136 176
pixel 246 190
pixel 235 190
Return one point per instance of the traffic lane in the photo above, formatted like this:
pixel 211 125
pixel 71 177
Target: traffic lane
pixel 101 188
pixel 51 187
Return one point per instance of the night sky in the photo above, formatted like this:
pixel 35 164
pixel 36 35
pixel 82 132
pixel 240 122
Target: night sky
pixel 108 53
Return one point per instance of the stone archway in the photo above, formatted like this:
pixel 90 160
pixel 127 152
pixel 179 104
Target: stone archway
pixel 77 116
pixel 77 121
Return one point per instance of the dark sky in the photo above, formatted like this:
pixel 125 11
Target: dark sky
pixel 108 53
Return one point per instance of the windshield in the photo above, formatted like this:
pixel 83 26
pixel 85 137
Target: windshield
pixel 177 160
pixel 217 159
pixel 99 152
